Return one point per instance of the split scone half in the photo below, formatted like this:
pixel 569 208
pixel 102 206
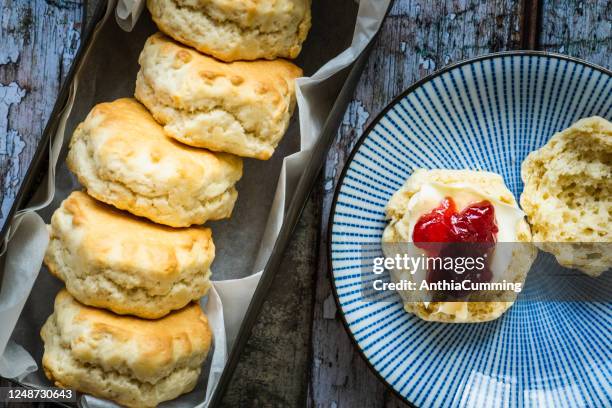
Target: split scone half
pixel 232 30
pixel 134 362
pixel 568 195
pixel 423 192
pixel 242 108
pixel 122 156
pixel 129 265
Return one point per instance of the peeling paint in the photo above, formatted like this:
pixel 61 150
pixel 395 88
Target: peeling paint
pixel 10 94
pixel 72 42
pixel 330 172
pixel 9 53
pixel 40 40
pixel 329 184
pixel 355 118
pixel 14 144
pixel 11 146
pixel 427 63
pixel 351 128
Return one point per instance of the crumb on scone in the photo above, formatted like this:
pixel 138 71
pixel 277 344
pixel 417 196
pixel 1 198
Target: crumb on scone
pixel 568 195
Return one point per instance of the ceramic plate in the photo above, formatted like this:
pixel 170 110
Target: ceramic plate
pixel 487 113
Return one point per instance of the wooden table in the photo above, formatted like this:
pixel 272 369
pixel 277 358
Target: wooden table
pixel 299 353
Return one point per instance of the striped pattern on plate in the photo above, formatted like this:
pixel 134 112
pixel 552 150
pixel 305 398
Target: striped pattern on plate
pixel 487 113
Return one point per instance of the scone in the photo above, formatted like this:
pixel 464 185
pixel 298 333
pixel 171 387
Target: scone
pixel 123 158
pixel 129 265
pixel 241 108
pixel 568 195
pixel 236 30
pixel 423 192
pixel 134 362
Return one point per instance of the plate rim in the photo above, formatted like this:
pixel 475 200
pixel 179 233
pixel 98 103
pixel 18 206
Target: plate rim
pixel 394 101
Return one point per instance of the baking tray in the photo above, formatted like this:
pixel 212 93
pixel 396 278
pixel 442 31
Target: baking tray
pixel 327 29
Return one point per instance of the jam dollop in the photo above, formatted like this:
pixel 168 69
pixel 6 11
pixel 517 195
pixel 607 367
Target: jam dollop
pixel 471 233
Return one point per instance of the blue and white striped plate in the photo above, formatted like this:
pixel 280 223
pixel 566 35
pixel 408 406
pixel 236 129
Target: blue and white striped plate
pixel 487 113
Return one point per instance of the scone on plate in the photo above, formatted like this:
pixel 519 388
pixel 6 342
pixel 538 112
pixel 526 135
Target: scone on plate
pixel 129 265
pixel 123 157
pixel 134 362
pixel 443 206
pixel 236 30
pixel 241 108
pixel 568 195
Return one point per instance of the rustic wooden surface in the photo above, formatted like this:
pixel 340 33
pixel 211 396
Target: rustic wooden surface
pixel 299 353
pixel 579 28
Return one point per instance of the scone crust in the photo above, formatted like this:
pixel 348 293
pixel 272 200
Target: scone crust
pixel 491 184
pixel 236 30
pixel 242 108
pixel 113 260
pixel 123 157
pixel 568 195
pixel 129 360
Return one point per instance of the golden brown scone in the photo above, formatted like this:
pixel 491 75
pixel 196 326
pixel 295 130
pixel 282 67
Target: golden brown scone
pixel 568 195
pixel 123 158
pixel 129 265
pixel 134 362
pixel 236 30
pixel 241 108
pixel 490 186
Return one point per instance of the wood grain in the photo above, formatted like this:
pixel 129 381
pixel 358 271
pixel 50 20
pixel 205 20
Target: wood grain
pixel 417 38
pixel 579 28
pixel 39 39
pixel 530 19
pixel 39 42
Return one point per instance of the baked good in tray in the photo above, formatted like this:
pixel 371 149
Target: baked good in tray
pixel 471 193
pixel 232 30
pixel 111 259
pixel 568 195
pixel 134 362
pixel 123 158
pixel 242 108
pixel 129 248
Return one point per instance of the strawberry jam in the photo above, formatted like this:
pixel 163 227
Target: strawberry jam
pixel 444 232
